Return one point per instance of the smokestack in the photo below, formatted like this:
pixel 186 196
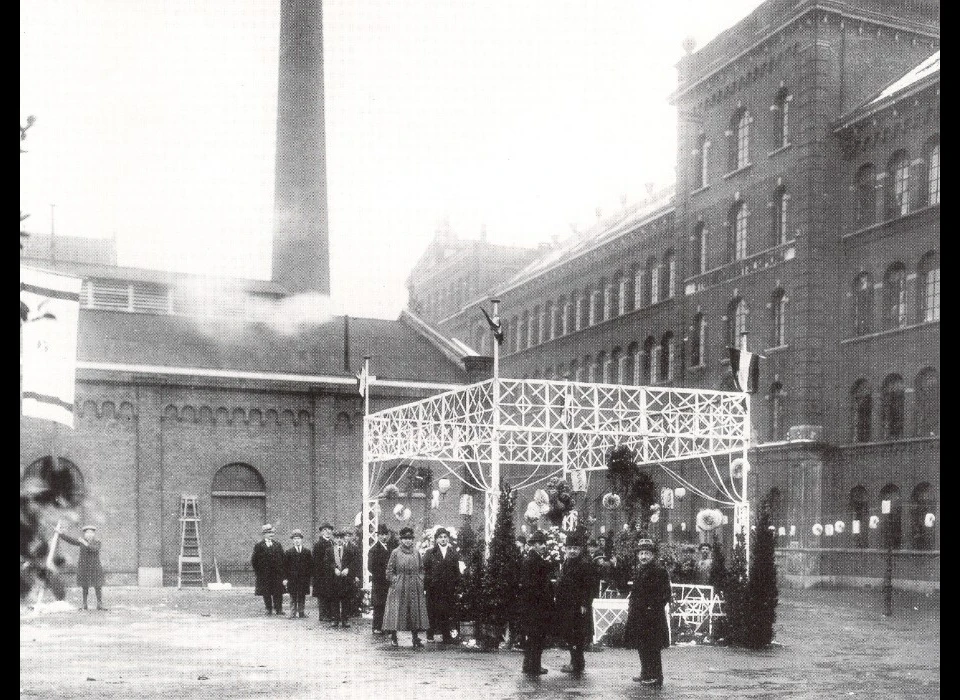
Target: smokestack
pixel 301 252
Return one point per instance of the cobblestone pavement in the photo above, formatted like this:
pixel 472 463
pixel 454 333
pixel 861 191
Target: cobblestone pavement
pixel 164 643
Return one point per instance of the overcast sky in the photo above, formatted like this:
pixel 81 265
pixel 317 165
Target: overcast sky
pixel 156 124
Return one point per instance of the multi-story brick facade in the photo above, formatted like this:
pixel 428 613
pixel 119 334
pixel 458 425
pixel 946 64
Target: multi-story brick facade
pixel 790 125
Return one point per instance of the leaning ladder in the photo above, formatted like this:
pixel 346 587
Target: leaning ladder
pixel 190 562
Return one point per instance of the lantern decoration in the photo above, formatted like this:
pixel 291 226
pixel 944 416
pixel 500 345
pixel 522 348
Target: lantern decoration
pixel 885 506
pixel 669 527
pixel 390 491
pixel 683 527
pixel 358 521
pixel 666 498
pixel 817 530
pixel 578 480
pixel 736 468
pixel 397 510
pixel 406 514
pixel 655 518
pixel 709 519
pixel 679 493
pixel 855 527
pixel 611 501
pixel 839 527
pixel 603 529
pixel 781 531
pixel 726 520
pixel 544 508
pixel 540 497
pixel 466 504
pixel 532 512
pixel 828 530
pixel 626 528
pixel 435 499
pixel 443 485
pixel 874 522
pixel 771 528
pixel 929 519
pixel 793 530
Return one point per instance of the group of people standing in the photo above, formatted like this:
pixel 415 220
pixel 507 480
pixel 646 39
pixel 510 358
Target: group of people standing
pixel 332 569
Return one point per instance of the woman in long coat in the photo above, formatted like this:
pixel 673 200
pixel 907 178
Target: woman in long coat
pixel 89 568
pixel 647 628
pixel 406 603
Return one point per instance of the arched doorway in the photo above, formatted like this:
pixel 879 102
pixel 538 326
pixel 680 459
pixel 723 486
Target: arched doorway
pixel 63 489
pixel 239 498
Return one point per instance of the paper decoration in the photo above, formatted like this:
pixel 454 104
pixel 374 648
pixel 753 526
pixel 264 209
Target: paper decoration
pixel 726 520
pixel 679 493
pixel 885 506
pixel 710 519
pixel 655 518
pixel 532 512
pixel 669 527
pixel 358 521
pixel 407 514
pixel 443 485
pixel 435 499
pixel 874 522
pixel 398 509
pixel 466 504
pixel 666 498
pixel 817 530
pixel 683 527
pixel 793 530
pixel 540 497
pixel 839 527
pixel 855 527
pixel 929 519
pixel 828 530
pixel 781 531
pixel 578 480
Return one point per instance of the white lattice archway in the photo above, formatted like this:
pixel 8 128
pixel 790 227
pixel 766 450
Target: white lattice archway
pixel 550 428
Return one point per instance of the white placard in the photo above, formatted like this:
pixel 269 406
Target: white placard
pixel 885 506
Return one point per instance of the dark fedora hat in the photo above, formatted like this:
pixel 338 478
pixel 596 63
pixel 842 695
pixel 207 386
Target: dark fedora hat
pixel 406 533
pixel 382 529
pixel 441 531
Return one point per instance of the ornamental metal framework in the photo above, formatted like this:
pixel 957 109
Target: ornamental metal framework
pixel 546 428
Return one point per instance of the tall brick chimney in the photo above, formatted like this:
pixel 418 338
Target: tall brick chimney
pixel 301 242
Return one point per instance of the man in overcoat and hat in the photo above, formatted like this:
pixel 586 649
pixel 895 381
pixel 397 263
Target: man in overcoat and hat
pixel 577 586
pixel 323 573
pixel 298 570
pixel 647 628
pixel 344 565
pixel 535 602
pixel 441 566
pixel 377 562
pixel 89 568
pixel 267 563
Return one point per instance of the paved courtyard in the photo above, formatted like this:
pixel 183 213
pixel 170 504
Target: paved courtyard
pixel 164 643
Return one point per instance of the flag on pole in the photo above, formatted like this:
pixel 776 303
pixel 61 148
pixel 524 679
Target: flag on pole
pixel 495 325
pixel 745 367
pixel 363 381
pixel 51 304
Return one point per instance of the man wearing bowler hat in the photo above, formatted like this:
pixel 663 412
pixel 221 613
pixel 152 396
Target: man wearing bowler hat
pixel 577 586
pixel 378 557
pixel 298 570
pixel 267 563
pixel 535 602
pixel 323 572
pixel 441 567
pixel 647 629
pixel 89 568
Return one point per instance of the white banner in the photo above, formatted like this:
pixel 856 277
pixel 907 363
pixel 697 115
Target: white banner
pixel 578 480
pixel 49 342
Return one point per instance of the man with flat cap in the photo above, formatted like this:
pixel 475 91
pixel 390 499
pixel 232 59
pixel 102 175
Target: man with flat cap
pixel 535 602
pixel 647 629
pixel 577 586
pixel 267 563
pixel 89 568
pixel 323 573
pixel 298 570
pixel 380 584
pixel 441 567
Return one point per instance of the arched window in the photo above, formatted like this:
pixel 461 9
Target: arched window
pixel 780 220
pixel 617 366
pixel 573 310
pixel 342 425
pixel 603 367
pixel 932 162
pixel 591 368
pixel 928 288
pixel 781 119
pixel 736 321
pixel 862 304
pixel 638 287
pixel 922 504
pixel 701 163
pixel 238 479
pixel 860 513
pixel 895 296
pixel 866 195
pixel 776 411
pixel 776 506
pixel 739 140
pixel 524 341
pixel 616 304
pixel 778 313
pixel 653 280
pixel 927 397
pixel 891 525
pixel 609 300
pixel 66 480
pixel 738 221
pixel 897 200
pixel 632 363
pixel 575 374
pixel 549 330
pixel 698 248
pixel 698 335
pixel 513 334
pixel 891 408
pixel 670 275
pixel 586 308
pixel 647 366
pixel 626 292
pixel 596 305
pixel 861 401
pixel 667 357
pixel 535 326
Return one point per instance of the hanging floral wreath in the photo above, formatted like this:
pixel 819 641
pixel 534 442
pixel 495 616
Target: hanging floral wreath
pixel 611 501
pixel 709 519
pixel 390 491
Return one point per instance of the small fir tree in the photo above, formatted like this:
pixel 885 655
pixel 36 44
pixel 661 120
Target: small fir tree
pixel 762 592
pixel 502 568
pixel 734 589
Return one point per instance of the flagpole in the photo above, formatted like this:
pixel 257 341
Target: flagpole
pixel 493 493
pixel 365 514
pixel 744 502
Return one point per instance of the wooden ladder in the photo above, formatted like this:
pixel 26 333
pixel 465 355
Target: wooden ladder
pixel 190 562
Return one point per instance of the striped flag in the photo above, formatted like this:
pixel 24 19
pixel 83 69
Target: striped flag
pixel 495 326
pixel 51 304
pixel 745 367
pixel 363 381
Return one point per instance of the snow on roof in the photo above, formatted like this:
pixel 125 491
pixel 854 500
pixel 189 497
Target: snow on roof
pixel 930 66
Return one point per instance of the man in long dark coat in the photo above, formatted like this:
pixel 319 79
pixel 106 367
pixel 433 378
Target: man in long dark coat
pixel 647 628
pixel 267 563
pixel 89 568
pixel 377 562
pixel 297 570
pixel 343 564
pixel 577 586
pixel 535 602
pixel 441 567
pixel 322 573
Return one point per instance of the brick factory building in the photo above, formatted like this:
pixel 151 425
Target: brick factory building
pixel 806 213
